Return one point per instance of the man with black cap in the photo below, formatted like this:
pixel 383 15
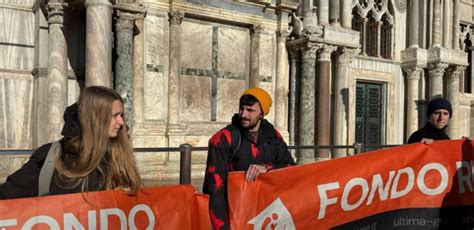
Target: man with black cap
pixel 438 113
pixel 249 144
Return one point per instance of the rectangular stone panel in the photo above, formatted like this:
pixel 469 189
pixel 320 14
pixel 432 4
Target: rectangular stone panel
pixel 155 40
pixel 196 45
pixel 16 39
pixel 195 98
pixel 228 94
pixel 267 57
pixel 15 112
pixel 154 96
pixel 233 48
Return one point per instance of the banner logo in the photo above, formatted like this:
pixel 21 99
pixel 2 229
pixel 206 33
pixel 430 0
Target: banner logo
pixel 275 216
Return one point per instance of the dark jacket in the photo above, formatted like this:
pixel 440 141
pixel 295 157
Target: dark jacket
pixel 428 131
pixel 270 150
pixel 24 182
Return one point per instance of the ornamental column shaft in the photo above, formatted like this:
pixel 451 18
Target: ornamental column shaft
pixel 307 105
pixel 334 13
pixel 175 19
pixel 436 23
pixel 456 28
pixel 57 71
pixel 452 95
pixel 436 72
pixel 413 79
pixel 295 63
pixel 341 99
pixel 346 14
pixel 446 21
pixel 138 72
pixel 414 23
pixel 255 32
pixel 98 43
pixel 281 83
pixel 323 12
pixel 123 64
pixel 323 102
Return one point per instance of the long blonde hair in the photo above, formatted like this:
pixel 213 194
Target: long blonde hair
pixel 112 157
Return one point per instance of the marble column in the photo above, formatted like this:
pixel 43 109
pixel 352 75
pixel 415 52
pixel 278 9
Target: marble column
pixel 364 36
pixel 379 35
pixel 323 12
pixel 334 11
pixel 413 80
pixel 175 19
pixel 123 64
pixel 98 43
pixel 281 83
pixel 436 23
pixel 57 70
pixel 341 99
pixel 446 23
pixel 456 28
pixel 436 72
pixel 346 14
pixel 452 95
pixel 295 63
pixel 414 23
pixel 307 105
pixel 323 102
pixel 255 32
pixel 138 72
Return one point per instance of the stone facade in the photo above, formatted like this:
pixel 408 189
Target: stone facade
pixel 182 65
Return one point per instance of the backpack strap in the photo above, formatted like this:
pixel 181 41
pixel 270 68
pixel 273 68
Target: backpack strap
pixel 46 173
pixel 236 141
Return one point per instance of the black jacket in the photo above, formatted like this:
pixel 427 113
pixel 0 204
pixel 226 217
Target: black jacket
pixel 428 131
pixel 270 150
pixel 24 182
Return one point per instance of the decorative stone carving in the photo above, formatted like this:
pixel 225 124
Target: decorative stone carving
pixel 310 23
pixel 56 12
pixel 440 54
pixel 401 5
pixel 176 17
pixel 296 26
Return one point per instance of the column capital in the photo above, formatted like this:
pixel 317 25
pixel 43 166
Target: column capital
pixel 454 71
pixel 413 72
pixel 437 68
pixel 56 12
pixel 282 35
pixel 175 17
pixel 125 20
pixel 310 52
pixel 346 55
pixel 325 52
pixel 255 31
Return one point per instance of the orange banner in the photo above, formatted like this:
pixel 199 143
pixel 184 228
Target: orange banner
pixel 411 186
pixel 167 207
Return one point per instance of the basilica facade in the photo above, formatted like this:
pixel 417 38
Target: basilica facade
pixel 340 72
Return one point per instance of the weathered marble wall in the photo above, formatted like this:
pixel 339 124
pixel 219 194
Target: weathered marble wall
pixel 17 48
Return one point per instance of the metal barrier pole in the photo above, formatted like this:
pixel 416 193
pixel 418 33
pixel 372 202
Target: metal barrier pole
pixel 185 164
pixel 358 148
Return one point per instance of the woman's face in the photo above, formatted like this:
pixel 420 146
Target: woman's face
pixel 116 119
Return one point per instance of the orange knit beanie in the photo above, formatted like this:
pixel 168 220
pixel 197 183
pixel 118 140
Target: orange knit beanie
pixel 262 96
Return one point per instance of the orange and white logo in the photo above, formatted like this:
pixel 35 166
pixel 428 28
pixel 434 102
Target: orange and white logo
pixel 274 217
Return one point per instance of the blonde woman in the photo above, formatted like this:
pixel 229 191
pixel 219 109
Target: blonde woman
pixel 95 153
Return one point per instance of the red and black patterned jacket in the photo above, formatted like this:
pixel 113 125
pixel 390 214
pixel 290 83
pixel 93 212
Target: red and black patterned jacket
pixel 270 150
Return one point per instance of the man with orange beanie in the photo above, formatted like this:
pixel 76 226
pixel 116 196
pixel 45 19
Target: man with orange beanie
pixel 249 144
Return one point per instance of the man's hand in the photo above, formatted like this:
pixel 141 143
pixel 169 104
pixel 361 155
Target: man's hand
pixel 426 141
pixel 468 139
pixel 254 171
